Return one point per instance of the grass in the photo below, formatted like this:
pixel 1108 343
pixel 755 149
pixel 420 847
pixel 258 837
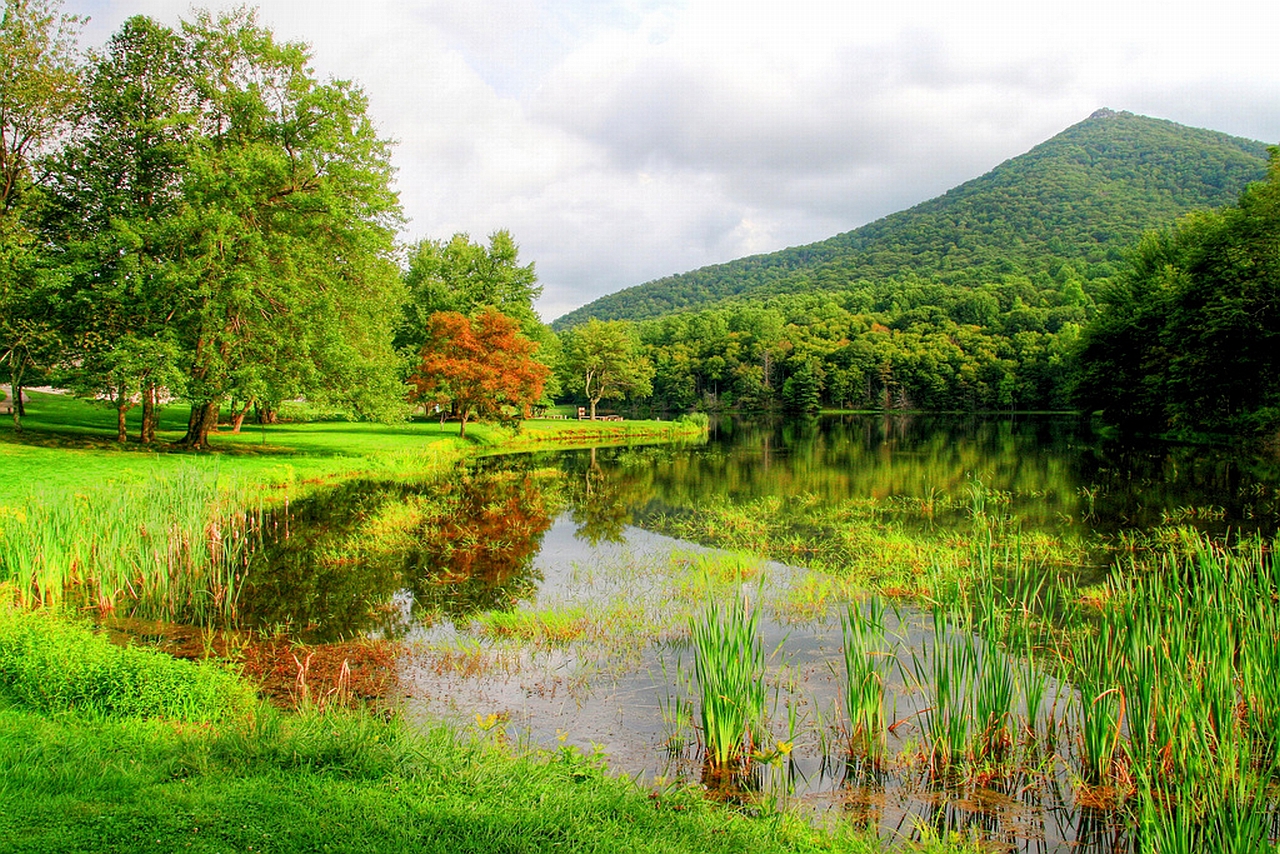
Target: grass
pixel 729 666
pixel 54 666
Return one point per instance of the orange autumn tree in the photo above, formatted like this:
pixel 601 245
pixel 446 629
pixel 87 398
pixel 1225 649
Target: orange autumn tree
pixel 481 364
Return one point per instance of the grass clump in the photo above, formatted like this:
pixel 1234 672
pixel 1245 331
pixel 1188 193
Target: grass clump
pixel 52 665
pixel 729 665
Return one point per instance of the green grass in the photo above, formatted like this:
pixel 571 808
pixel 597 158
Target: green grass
pixel 53 666
pixel 729 665
pixel 69 445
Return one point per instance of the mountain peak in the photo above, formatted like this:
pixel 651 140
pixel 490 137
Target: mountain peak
pixel 1081 197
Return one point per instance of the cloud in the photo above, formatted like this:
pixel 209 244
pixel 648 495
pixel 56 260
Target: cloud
pixel 623 141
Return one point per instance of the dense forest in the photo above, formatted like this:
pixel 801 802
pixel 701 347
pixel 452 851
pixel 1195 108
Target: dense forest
pixel 975 300
pixel 1082 197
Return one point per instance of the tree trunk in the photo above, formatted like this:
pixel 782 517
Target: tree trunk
pixel 147 433
pixel 238 420
pixel 204 417
pixel 122 406
pixel 594 401
pixel 15 391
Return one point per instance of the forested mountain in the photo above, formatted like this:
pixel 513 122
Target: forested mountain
pixel 1081 198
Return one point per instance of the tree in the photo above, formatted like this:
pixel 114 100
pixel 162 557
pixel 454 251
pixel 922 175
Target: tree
pixel 465 277
pixel 39 84
pixel 286 277
pixel 116 194
pixel 1189 339
pixel 480 365
pixel 604 362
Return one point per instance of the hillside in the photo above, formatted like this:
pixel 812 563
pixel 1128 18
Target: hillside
pixel 1081 197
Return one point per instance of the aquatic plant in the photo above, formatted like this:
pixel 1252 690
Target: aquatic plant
pixel 174 548
pixel 868 658
pixel 729 665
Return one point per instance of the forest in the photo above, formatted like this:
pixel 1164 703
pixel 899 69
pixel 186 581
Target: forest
pixel 192 215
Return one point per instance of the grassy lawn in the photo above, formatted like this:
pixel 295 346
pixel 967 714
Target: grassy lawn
pixel 70 445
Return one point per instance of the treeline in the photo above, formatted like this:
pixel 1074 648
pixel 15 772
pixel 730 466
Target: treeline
pixel 190 214
pixel 909 344
pixel 1188 339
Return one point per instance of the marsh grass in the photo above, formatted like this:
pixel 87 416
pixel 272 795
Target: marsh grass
pixel 547 627
pixel 869 656
pixel 175 548
pixel 729 665
pixel 52 665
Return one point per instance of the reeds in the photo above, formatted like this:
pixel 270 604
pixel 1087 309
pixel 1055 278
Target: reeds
pixel 729 665
pixel 868 659
pixel 174 549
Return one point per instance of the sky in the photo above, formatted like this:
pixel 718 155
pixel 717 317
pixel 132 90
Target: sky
pixel 623 141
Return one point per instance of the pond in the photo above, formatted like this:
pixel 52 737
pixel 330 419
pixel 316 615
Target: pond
pixel 548 600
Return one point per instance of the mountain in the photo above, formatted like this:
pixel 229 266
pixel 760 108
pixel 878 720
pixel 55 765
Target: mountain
pixel 1081 198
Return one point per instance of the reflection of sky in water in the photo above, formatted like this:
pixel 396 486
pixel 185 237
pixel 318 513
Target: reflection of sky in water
pixel 611 697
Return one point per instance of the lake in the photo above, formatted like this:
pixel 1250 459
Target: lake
pixel 547 600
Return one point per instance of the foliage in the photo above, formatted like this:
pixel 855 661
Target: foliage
pixel 225 224
pixel 478 365
pixel 603 361
pixel 40 81
pixel 1080 197
pixel 973 301
pixel 1189 338
pixel 465 277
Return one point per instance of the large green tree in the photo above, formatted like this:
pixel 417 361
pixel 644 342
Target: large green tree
pixel 40 81
pixel 118 196
pixel 464 276
pixel 604 361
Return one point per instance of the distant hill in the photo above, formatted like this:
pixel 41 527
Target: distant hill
pixel 1082 197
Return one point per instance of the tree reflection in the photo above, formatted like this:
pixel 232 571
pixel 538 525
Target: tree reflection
pixel 330 566
pixel 604 497
pixel 475 552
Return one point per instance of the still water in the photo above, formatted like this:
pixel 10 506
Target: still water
pixel 543 600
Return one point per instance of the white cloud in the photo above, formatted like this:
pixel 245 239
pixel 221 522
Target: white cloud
pixel 622 141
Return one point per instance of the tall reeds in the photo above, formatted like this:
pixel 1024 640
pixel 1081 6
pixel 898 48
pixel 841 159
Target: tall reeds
pixel 868 659
pixel 729 665
pixel 173 548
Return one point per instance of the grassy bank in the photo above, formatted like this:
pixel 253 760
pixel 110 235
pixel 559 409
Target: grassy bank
pixel 82 771
pixel 68 445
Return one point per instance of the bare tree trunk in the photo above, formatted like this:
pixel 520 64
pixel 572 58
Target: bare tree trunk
pixel 238 420
pixel 15 391
pixel 122 407
pixel 147 433
pixel 204 417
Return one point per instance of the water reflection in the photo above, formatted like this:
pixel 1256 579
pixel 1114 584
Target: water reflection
pixel 372 557
pixel 582 529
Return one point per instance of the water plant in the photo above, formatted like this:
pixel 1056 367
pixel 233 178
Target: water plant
pixel 172 548
pixel 729 665
pixel 868 658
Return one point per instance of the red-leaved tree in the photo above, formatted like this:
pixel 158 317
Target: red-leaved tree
pixel 479 364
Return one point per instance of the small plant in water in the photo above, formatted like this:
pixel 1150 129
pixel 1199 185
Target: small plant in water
pixel 867 658
pixel 729 666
